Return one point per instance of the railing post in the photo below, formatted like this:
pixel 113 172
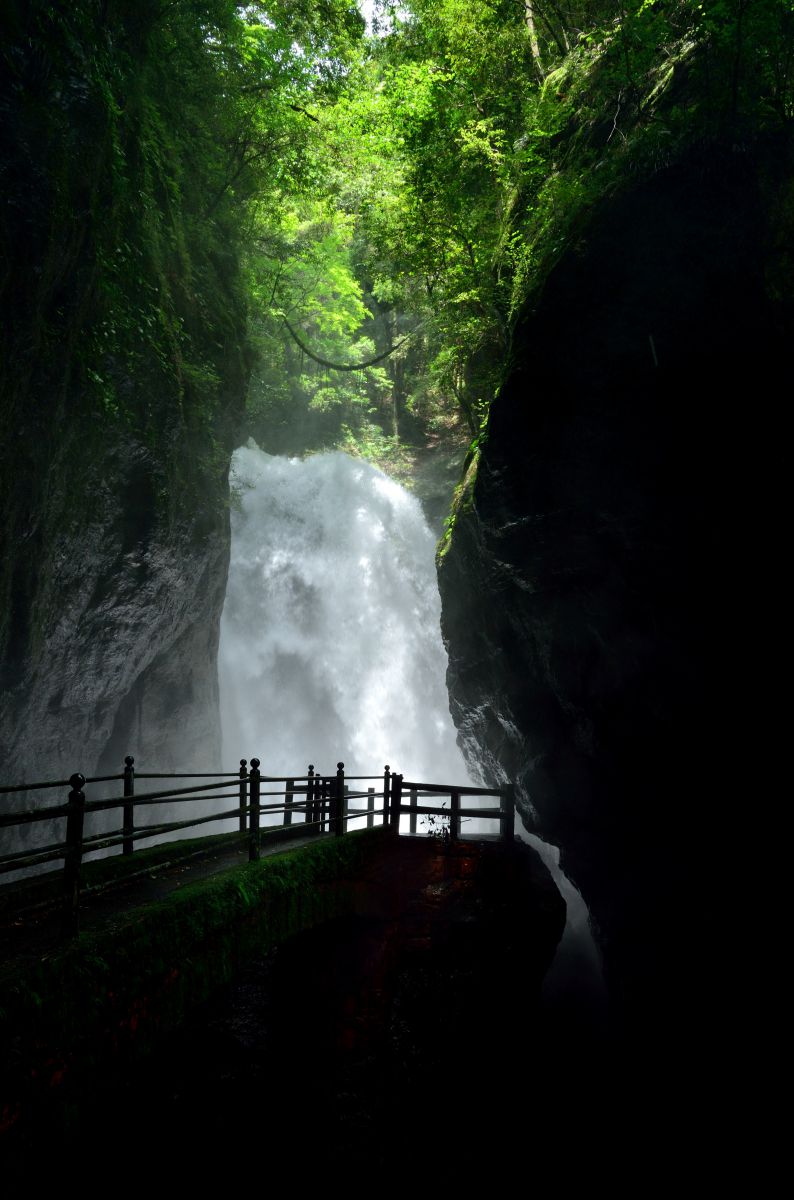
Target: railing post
pixel 128 824
pixel 370 807
pixel 509 812
pixel 396 801
pixel 310 794
pixel 325 805
pixel 243 780
pixel 253 829
pixel 74 857
pixel 289 801
pixel 340 801
pixel 414 801
pixel 386 793
pixel 454 817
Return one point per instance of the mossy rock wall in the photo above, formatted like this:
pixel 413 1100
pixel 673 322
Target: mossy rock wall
pixel 122 383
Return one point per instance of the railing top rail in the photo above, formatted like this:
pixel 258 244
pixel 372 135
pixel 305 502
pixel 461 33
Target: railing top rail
pixel 232 775
pixel 209 789
pixel 447 788
pixel 200 791
pixel 52 783
pixel 5 789
pixel 182 775
pixel 301 778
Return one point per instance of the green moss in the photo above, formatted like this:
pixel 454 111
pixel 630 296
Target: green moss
pixel 462 502
pixel 114 991
pixel 463 495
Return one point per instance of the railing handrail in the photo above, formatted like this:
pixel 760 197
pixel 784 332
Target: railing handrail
pixel 447 788
pixel 324 802
pixel 182 775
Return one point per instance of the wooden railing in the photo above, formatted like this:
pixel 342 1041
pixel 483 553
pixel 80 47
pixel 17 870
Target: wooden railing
pixel 310 804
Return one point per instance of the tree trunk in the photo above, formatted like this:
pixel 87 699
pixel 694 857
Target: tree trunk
pixel 533 39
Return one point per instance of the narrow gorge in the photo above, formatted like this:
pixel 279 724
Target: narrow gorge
pixel 275 276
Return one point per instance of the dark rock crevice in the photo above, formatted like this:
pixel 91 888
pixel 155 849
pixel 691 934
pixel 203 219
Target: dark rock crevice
pixel 601 594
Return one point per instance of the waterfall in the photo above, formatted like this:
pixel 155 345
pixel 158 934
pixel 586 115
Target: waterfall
pixel 331 649
pixel 330 643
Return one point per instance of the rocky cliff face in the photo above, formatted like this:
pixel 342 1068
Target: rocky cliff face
pixel 120 654
pixel 601 590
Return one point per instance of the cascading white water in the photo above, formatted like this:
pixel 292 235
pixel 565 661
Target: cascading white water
pixel 330 644
pixel 331 648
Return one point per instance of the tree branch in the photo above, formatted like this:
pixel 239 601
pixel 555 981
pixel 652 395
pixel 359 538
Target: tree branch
pixel 324 362
pixel 297 108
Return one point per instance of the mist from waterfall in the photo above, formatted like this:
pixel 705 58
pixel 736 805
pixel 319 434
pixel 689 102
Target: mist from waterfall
pixel 330 643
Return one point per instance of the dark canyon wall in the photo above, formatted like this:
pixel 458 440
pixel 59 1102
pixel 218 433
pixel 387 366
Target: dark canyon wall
pixel 606 588
pixel 122 382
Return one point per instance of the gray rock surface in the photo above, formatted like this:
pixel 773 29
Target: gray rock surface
pixel 127 608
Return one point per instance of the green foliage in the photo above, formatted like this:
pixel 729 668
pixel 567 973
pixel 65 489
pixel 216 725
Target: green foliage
pixel 182 175
pixel 414 176
pixel 649 81
pixel 463 152
pixel 137 135
pixel 303 269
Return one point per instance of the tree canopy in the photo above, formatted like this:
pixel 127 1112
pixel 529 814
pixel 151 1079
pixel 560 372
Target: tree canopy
pixel 464 146
pixel 182 170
